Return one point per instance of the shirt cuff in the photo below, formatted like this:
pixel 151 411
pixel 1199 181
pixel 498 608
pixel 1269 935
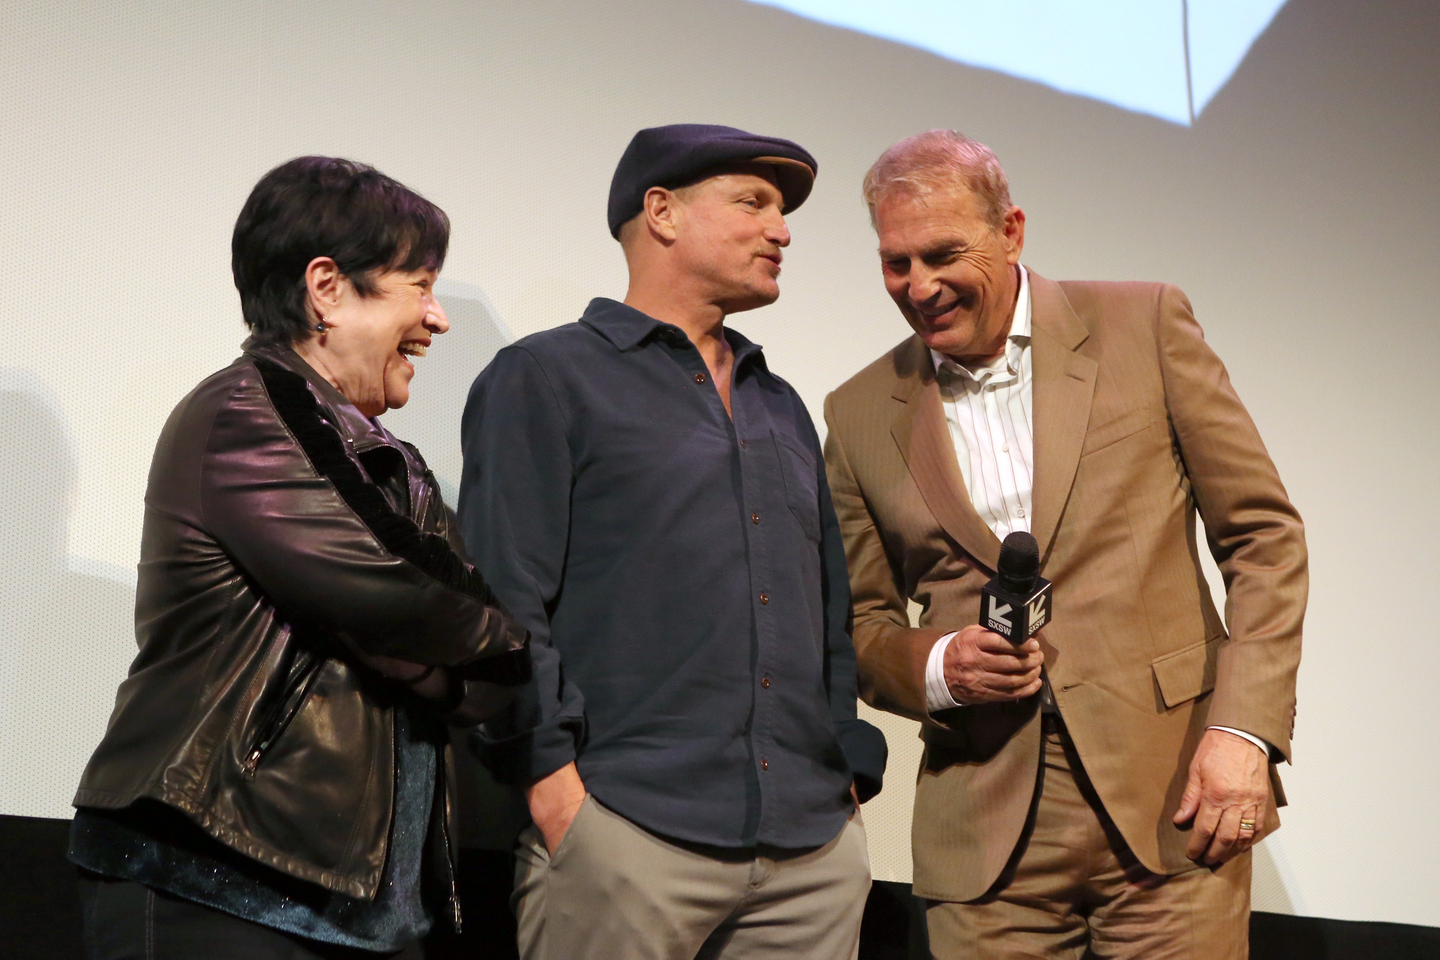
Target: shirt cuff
pixel 937 691
pixel 1268 750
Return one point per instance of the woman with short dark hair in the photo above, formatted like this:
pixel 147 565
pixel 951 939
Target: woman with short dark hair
pixel 273 779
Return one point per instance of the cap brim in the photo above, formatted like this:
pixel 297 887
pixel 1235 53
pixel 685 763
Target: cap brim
pixel 794 177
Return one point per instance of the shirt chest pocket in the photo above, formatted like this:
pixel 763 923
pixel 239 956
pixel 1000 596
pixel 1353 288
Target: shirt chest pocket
pixel 798 468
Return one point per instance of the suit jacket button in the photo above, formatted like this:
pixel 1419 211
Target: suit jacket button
pixel 764 598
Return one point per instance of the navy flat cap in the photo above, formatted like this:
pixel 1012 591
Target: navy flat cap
pixel 682 152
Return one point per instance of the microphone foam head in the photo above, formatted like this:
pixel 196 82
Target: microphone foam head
pixel 1019 561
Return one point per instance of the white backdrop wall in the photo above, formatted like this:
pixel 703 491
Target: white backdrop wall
pixel 1300 213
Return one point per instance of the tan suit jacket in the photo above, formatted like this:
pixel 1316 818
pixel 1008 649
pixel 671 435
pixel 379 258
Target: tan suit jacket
pixel 1136 429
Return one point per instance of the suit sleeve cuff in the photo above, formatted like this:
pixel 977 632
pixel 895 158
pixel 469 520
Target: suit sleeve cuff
pixel 937 691
pixel 1268 750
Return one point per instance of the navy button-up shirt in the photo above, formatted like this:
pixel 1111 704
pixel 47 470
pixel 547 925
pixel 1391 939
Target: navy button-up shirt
pixel 682 577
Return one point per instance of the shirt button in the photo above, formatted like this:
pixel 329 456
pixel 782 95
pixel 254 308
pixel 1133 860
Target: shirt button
pixel 765 681
pixel 764 598
pixel 1019 511
pixel 754 518
pixel 764 764
pixel 699 378
pixel 1006 448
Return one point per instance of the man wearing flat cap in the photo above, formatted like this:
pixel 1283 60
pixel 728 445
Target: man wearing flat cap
pixel 656 513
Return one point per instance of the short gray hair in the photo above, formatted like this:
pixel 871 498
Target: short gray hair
pixel 937 160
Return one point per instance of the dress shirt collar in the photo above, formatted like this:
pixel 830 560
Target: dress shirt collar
pixel 1017 341
pixel 626 327
pixel 622 325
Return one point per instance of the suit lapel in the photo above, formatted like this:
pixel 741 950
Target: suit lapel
pixel 1064 386
pixel 920 431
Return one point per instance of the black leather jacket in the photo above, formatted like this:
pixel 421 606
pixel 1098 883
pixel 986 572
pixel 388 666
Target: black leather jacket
pixel 287 539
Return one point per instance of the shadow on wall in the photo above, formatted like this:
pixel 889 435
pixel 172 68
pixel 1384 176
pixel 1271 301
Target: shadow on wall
pixel 65 636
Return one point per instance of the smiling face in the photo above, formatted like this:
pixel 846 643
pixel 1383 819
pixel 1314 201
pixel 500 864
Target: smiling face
pixel 729 235
pixel 952 274
pixel 368 340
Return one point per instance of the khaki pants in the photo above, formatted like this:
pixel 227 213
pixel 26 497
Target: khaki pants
pixel 1076 891
pixel 614 891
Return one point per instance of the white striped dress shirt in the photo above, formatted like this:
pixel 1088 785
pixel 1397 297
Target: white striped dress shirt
pixel 988 410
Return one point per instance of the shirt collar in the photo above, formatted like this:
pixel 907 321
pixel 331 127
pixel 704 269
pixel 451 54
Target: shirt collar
pixel 1017 340
pixel 625 327
pixel 1020 325
pixel 622 325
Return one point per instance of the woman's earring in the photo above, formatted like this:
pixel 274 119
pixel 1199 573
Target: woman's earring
pixel 320 327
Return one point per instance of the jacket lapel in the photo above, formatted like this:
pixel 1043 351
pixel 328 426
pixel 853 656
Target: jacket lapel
pixel 923 437
pixel 1064 386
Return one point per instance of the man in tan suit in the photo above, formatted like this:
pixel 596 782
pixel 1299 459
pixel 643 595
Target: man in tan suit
pixel 1098 788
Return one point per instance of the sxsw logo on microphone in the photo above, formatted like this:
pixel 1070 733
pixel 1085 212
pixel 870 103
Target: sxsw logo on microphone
pixel 998 616
pixel 1039 610
pixel 1016 618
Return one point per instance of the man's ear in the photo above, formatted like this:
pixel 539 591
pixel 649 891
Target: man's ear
pixel 661 209
pixel 1012 232
pixel 323 280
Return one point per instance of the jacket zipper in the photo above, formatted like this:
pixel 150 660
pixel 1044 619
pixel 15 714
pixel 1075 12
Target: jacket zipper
pixel 442 780
pixel 278 718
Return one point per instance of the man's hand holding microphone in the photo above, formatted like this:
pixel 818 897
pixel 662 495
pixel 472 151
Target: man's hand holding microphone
pixel 999 659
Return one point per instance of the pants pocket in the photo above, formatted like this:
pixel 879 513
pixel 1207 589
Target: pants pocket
pixel 569 840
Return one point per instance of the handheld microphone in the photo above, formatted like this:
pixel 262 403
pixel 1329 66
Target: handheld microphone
pixel 1016 603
